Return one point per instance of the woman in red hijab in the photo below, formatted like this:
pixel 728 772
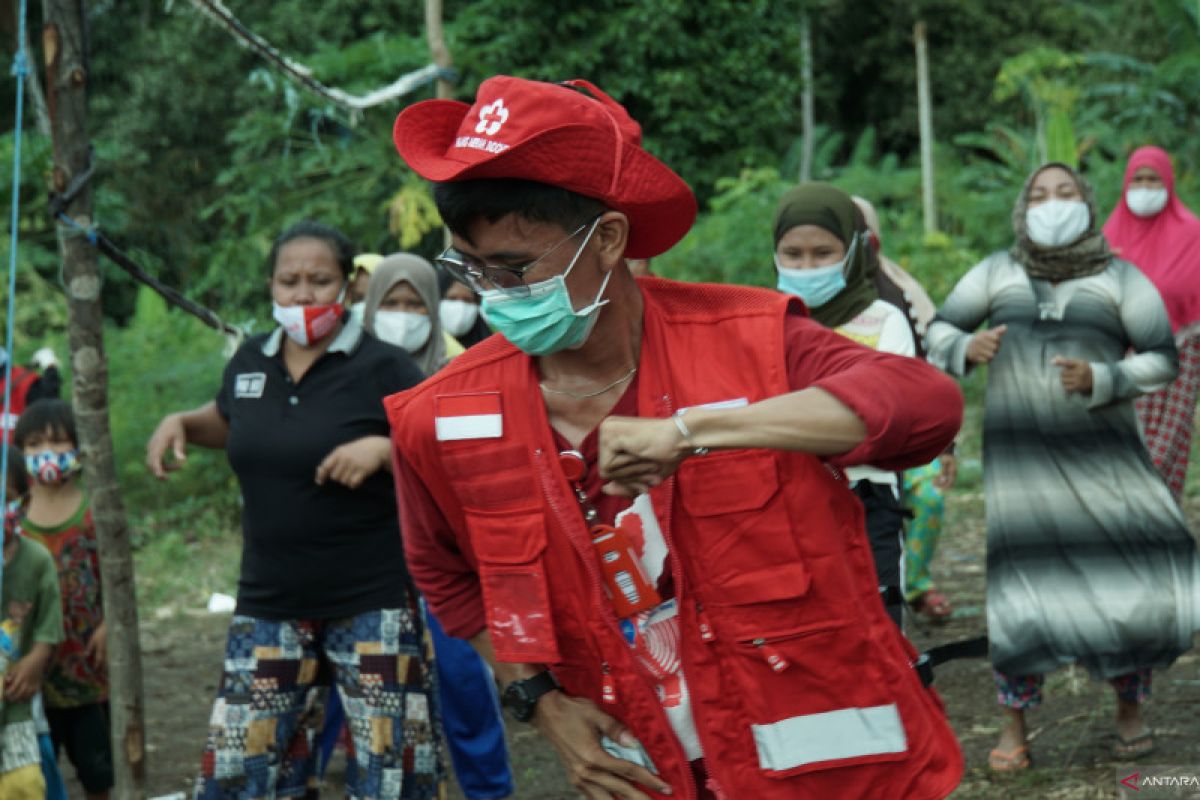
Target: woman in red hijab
pixel 1152 228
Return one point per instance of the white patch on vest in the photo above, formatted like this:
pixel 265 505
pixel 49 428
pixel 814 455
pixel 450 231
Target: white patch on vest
pixel 249 385
pixel 473 426
pixel 737 402
pixel 830 736
pixel 9 421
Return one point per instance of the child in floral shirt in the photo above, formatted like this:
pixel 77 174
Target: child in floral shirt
pixel 57 516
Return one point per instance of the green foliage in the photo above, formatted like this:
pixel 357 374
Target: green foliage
pixel 166 361
pixel 714 84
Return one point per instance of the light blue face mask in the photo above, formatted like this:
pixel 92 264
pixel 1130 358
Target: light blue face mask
pixel 817 286
pixel 544 321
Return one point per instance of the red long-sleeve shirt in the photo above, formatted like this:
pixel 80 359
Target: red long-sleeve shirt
pixel 911 412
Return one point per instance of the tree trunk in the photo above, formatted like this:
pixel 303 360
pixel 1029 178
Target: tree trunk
pixel 441 56
pixel 66 88
pixel 437 44
pixel 807 122
pixel 925 118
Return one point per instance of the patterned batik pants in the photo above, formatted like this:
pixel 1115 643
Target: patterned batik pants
pixel 257 745
pixel 1023 692
pixel 927 504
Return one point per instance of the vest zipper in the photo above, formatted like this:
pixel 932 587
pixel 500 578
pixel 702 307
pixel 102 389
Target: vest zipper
pixel 775 659
pixel 586 552
pixel 608 686
pixel 706 630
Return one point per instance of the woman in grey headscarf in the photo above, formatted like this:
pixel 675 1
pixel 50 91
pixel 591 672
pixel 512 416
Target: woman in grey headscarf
pixel 401 309
pixel 1089 559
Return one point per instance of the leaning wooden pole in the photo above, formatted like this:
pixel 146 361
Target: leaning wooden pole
pixel 438 50
pixel 807 114
pixel 925 120
pixel 63 46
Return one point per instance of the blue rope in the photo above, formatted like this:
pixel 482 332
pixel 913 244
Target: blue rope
pixel 92 237
pixel 20 69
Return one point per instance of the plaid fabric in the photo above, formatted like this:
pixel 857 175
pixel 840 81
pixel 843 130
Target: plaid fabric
pixel 1025 691
pixel 1168 417
pixel 259 745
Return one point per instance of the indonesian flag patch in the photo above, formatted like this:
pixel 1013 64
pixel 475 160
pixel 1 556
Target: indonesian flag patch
pixel 458 417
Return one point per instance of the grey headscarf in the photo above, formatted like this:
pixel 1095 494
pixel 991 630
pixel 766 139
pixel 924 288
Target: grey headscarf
pixel 1087 255
pixel 419 274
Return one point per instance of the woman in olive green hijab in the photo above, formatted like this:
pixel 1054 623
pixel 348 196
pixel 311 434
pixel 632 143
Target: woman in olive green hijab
pixel 823 256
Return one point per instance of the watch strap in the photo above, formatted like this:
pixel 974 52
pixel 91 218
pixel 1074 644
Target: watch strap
pixel 521 696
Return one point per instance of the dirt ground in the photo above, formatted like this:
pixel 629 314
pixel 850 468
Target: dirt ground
pixel 1072 733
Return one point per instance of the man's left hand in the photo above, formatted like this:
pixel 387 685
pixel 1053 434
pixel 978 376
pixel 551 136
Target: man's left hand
pixel 1076 374
pixel 637 454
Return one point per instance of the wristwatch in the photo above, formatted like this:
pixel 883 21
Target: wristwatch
pixel 520 697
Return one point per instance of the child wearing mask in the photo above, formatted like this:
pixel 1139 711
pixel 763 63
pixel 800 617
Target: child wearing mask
pixel 30 627
pixel 58 517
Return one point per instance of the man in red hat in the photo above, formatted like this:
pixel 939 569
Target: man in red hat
pixel 628 499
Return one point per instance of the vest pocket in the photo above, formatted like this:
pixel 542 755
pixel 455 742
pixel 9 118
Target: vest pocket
pixel 806 713
pixel 510 549
pixel 745 542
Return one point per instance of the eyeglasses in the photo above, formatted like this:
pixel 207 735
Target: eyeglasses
pixel 483 277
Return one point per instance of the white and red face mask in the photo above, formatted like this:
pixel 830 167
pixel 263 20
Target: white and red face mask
pixel 307 325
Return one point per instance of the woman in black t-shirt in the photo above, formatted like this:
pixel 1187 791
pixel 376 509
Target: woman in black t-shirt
pixel 323 580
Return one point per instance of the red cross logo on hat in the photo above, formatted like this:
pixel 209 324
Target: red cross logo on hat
pixel 491 117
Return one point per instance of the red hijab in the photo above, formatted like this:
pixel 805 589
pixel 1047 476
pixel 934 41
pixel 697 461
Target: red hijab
pixel 1166 246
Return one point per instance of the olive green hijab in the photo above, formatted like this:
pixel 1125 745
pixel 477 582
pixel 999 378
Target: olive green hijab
pixel 832 209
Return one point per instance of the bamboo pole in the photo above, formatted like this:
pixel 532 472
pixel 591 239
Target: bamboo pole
pixel 806 98
pixel 925 118
pixel 437 44
pixel 64 51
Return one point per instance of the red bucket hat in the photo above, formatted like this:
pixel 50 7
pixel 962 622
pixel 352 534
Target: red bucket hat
pixel 554 134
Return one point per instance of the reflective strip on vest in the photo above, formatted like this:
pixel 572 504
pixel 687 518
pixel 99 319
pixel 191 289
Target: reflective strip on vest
pixel 832 735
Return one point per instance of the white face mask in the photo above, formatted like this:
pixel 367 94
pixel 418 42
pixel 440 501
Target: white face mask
pixel 403 329
pixel 1146 202
pixel 458 316
pixel 1055 223
pixel 357 310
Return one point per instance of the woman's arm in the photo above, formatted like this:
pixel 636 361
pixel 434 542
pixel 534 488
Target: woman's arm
pixel 353 462
pixel 1154 362
pixel 203 426
pixel 950 334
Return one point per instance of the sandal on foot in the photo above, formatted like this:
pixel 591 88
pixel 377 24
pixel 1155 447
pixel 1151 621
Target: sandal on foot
pixel 934 605
pixel 1134 747
pixel 1014 760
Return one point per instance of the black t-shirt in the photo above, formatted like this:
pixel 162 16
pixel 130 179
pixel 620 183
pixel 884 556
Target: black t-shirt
pixel 309 551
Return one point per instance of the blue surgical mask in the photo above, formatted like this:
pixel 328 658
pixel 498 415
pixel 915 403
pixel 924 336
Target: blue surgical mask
pixel 544 321
pixel 815 287
pixel 50 467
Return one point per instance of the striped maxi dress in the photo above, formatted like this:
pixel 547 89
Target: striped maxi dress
pixel 1089 559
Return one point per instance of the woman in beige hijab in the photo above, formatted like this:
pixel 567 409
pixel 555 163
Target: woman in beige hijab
pixel 401 309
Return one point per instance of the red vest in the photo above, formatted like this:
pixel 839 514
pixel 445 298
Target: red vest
pixel 795 671
pixel 22 381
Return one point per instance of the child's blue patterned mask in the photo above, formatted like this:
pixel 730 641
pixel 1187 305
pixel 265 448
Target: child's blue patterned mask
pixel 51 467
